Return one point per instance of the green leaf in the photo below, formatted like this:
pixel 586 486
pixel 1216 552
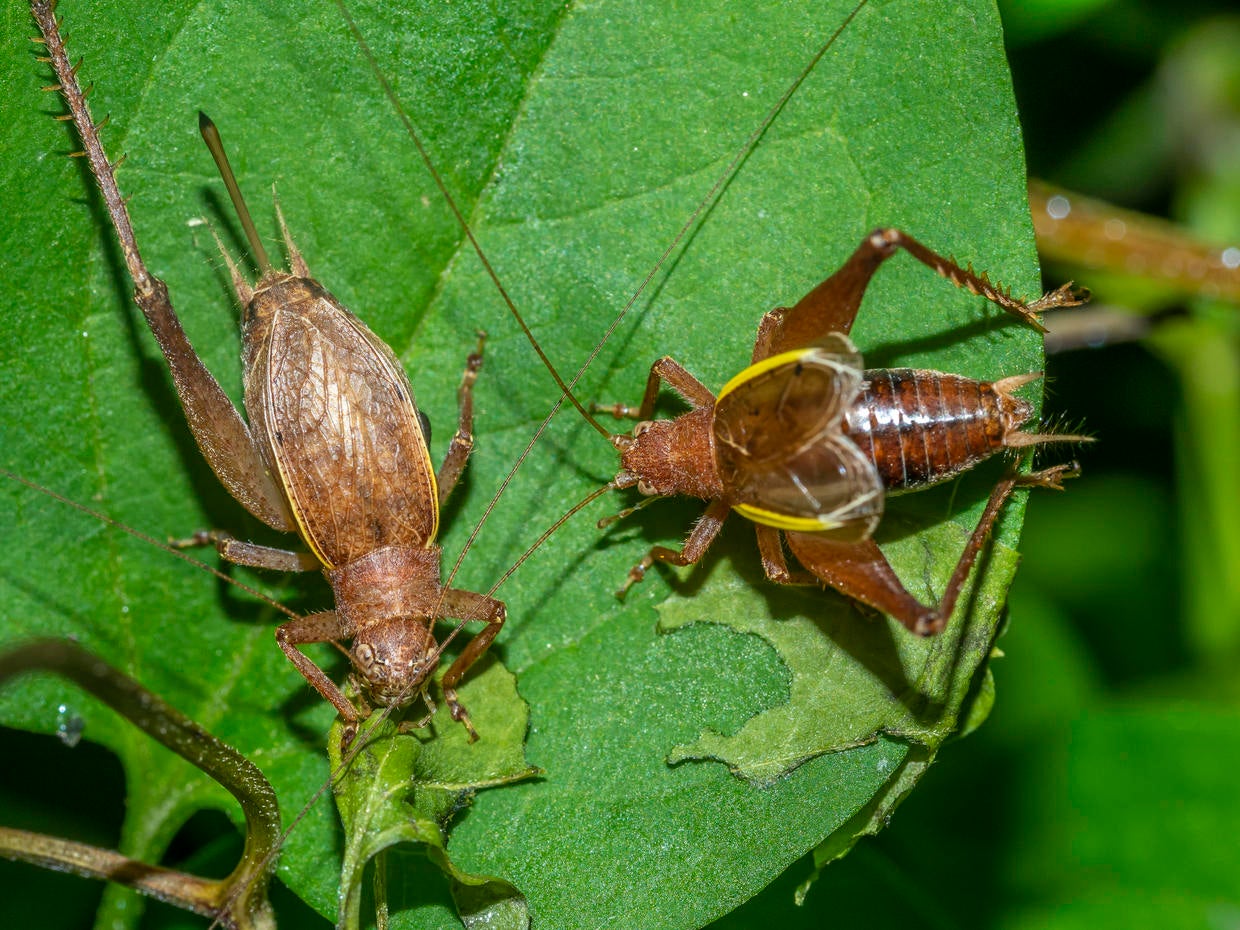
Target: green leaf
pixel 851 680
pixel 578 141
pixel 403 790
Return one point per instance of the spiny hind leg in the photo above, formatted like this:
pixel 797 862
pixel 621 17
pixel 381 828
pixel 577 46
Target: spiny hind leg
pixel 1050 478
pixel 861 571
pixel 217 427
pixel 222 435
pixel 832 306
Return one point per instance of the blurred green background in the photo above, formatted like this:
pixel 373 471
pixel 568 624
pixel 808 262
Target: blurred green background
pixel 1101 792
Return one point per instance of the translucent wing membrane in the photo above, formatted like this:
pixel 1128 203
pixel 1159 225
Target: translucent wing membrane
pixel 779 444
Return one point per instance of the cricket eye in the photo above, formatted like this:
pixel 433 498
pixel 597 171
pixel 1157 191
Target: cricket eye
pixel 364 654
pixel 645 487
pixel 641 428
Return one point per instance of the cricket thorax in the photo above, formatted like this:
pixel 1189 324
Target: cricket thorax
pixel 667 457
pixel 387 600
pixel 389 583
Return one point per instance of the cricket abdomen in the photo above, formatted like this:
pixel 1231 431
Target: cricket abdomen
pixel 921 427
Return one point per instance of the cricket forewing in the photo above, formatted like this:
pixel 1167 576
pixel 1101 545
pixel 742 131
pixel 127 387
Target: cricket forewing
pixel 780 447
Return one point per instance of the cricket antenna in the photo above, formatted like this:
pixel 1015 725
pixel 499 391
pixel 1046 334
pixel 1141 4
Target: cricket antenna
pixel 725 178
pixel 530 550
pixel 211 136
pixel 703 207
pixel 566 389
pixel 171 549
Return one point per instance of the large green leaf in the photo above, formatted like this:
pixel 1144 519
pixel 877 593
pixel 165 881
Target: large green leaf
pixel 578 141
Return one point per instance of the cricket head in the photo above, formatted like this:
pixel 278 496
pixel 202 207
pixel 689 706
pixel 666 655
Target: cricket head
pixel 394 661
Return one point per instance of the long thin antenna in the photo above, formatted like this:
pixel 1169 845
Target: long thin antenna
pixel 703 207
pixel 725 178
pixel 158 544
pixel 530 550
pixel 460 217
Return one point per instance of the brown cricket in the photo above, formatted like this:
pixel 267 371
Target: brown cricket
pixel 807 443
pixel 335 451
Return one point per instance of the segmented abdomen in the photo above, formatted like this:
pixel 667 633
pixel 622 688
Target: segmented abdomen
pixel 921 427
